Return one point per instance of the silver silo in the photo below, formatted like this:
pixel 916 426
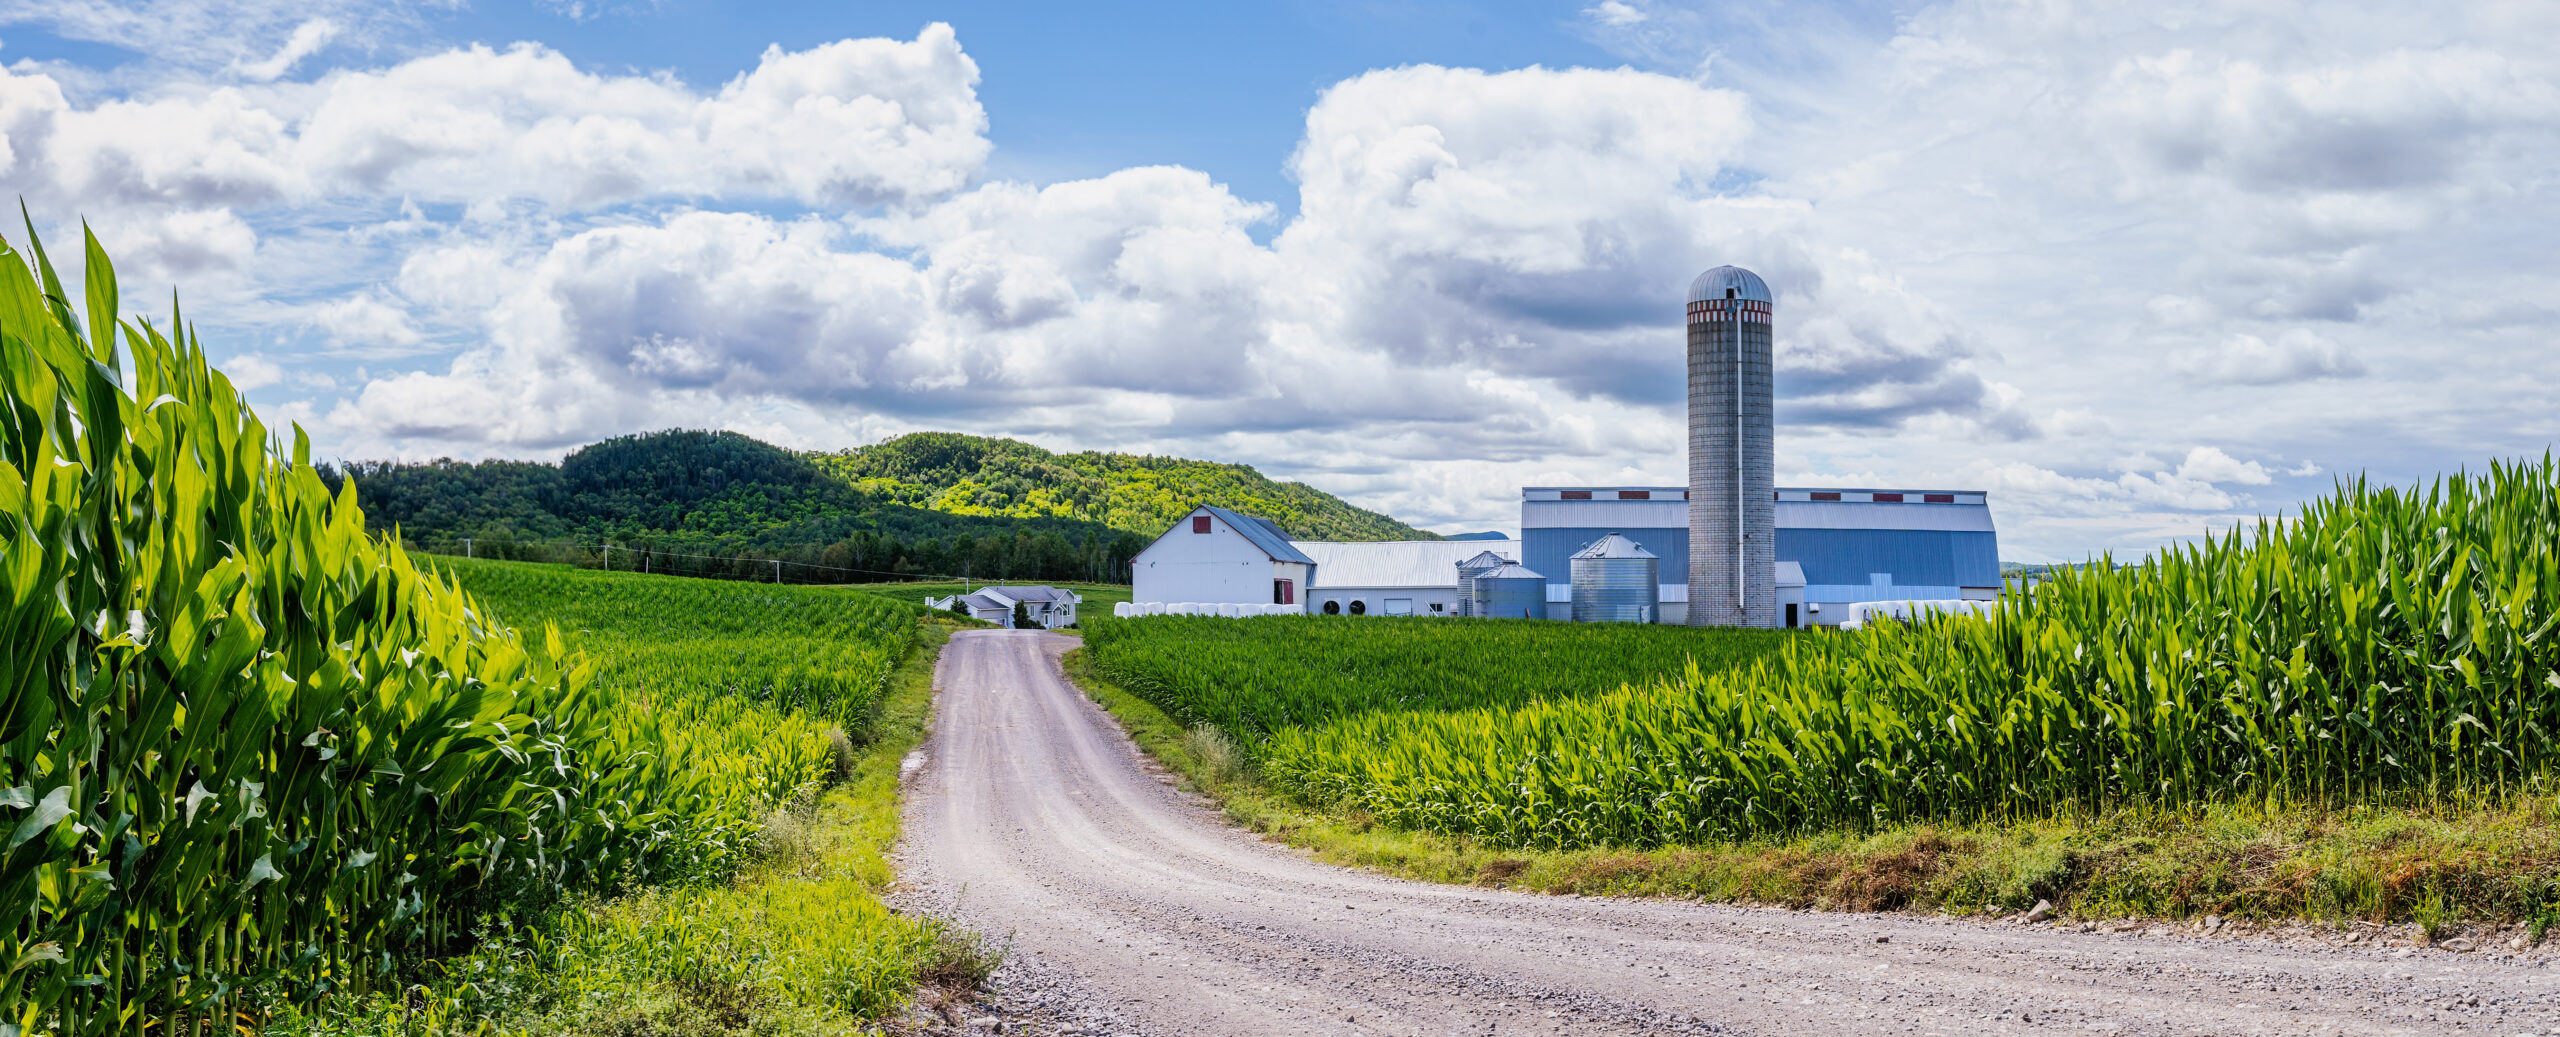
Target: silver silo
pixel 1483 562
pixel 1510 592
pixel 1615 580
pixel 1733 535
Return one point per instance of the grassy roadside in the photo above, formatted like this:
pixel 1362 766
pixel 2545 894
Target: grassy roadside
pixel 2431 867
pixel 797 944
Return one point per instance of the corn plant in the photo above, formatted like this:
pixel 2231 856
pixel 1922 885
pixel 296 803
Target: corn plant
pixel 2385 641
pixel 249 752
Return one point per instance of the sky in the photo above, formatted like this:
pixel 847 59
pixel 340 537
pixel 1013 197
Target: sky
pixel 2141 270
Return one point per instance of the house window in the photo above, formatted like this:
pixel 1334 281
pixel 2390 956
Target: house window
pixel 1826 495
pixel 1635 494
pixel 1888 498
pixel 1937 498
pixel 1284 592
pixel 1575 495
pixel 1399 606
pixel 1435 607
pixel 1199 523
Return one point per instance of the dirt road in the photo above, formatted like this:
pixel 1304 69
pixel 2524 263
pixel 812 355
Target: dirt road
pixel 1134 909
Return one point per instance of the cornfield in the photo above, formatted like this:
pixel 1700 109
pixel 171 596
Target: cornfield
pixel 2385 641
pixel 1255 678
pixel 249 753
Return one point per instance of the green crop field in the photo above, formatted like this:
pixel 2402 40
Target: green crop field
pixel 255 761
pixel 2384 642
pixel 1255 678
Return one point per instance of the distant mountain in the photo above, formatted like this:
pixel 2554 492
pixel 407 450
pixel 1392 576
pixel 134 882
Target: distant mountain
pixel 928 504
pixel 975 475
pixel 673 494
pixel 1490 535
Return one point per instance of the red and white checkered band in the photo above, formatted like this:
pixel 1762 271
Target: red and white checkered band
pixel 1710 311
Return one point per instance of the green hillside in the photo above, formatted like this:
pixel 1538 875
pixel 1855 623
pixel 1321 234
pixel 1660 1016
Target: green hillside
pixel 926 505
pixel 974 475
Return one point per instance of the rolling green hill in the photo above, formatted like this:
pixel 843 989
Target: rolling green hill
pixel 974 475
pixel 926 505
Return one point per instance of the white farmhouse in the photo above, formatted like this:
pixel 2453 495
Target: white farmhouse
pixel 1216 556
pixel 1050 608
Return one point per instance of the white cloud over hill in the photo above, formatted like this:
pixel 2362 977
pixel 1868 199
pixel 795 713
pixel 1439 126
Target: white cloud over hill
pixel 2024 248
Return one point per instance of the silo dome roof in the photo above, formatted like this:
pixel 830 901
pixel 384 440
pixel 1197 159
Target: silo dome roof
pixel 1745 284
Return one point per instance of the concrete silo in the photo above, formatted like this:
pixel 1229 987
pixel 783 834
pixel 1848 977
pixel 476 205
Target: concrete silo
pixel 1732 517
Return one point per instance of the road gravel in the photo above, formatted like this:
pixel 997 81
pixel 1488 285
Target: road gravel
pixel 1132 907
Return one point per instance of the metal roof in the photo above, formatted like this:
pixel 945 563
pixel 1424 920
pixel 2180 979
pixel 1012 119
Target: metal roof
pixel 1615 545
pixel 1487 560
pixel 1745 285
pixel 1389 563
pixel 1790 574
pixel 1510 572
pixel 1266 535
pixel 1040 592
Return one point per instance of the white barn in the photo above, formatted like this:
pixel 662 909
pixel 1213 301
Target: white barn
pixel 1216 556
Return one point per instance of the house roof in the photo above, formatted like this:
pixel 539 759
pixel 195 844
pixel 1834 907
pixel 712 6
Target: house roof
pixel 1039 592
pixel 1790 574
pixel 1391 563
pixel 1264 534
pixel 984 602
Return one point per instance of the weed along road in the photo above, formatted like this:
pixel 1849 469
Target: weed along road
pixel 1132 908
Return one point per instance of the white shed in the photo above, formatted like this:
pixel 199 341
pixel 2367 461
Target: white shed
pixel 1217 556
pixel 1392 577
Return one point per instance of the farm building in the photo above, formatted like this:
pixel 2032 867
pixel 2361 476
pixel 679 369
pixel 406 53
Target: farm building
pixel 1833 546
pixel 1214 556
pixel 1217 556
pixel 1050 608
pixel 1392 578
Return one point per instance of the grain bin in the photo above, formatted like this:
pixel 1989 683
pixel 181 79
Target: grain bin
pixel 1484 562
pixel 1615 580
pixel 1510 592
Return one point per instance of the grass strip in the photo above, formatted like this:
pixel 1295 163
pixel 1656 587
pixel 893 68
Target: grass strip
pixel 798 943
pixel 2429 865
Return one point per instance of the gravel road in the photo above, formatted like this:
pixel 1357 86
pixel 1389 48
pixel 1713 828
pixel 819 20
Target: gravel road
pixel 1133 908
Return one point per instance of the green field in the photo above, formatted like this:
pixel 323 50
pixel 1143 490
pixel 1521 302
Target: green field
pixel 803 693
pixel 1254 679
pixel 2385 643
pixel 259 764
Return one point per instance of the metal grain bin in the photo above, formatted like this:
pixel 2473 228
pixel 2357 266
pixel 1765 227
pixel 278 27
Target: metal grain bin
pixel 1510 592
pixel 1484 562
pixel 1615 580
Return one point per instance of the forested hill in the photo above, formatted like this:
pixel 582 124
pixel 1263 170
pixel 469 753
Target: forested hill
pixel 975 475
pixel 684 493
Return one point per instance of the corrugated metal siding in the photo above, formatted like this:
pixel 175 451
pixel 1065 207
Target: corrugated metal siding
pixel 1550 550
pixel 1604 514
pixel 1965 518
pixel 1915 557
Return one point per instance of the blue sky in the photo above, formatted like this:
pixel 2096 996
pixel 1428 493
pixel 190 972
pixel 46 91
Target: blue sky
pixel 2140 269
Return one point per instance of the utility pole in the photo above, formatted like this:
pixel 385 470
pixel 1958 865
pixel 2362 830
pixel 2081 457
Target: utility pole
pixel 466 547
pixel 777 572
